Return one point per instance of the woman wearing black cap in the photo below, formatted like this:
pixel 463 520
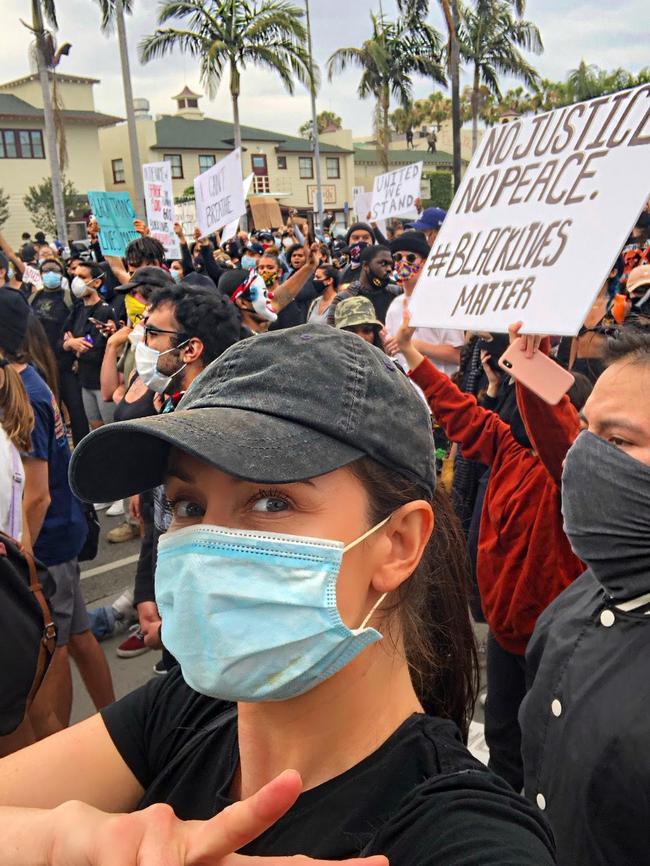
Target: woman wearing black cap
pixel 320 622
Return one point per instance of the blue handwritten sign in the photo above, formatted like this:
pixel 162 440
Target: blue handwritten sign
pixel 114 213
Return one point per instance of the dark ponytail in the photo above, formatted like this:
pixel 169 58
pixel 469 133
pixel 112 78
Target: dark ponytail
pixel 432 605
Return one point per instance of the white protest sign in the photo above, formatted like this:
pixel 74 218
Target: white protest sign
pixel 394 193
pixel 219 195
pixel 159 204
pixel 362 204
pixel 541 215
pixel 186 216
pixel 32 276
pixel 231 229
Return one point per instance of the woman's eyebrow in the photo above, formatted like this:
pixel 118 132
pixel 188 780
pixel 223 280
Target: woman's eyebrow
pixel 174 472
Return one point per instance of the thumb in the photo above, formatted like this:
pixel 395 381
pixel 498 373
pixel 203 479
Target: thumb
pixel 242 822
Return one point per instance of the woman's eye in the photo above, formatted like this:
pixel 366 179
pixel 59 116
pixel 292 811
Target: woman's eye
pixel 270 504
pixel 184 509
pixel 620 443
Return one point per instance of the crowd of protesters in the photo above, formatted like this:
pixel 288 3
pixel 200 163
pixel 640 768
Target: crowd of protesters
pixel 243 405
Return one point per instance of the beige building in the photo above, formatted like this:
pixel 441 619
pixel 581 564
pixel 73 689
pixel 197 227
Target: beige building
pixel 282 165
pixel 23 160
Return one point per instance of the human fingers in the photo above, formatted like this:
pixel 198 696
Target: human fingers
pixel 485 356
pixel 152 636
pixel 230 830
pixel 513 330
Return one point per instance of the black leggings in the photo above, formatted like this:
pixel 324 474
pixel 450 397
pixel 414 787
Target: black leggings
pixel 71 398
pixel 506 688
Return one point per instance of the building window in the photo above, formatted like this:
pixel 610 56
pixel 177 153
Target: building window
pixel 282 163
pixel 206 161
pixel 21 144
pixel 333 167
pixel 118 170
pixel 176 161
pixel 305 167
pixel 192 103
pixel 181 103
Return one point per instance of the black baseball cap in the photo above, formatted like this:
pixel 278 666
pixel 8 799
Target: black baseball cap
pixel 148 277
pixel 275 408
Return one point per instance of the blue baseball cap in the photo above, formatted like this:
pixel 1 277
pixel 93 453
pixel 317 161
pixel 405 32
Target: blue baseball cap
pixel 430 218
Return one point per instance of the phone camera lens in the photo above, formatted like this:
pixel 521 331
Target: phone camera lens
pixel 507 364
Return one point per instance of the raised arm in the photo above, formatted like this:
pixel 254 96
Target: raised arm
pixel 10 253
pixel 481 433
pixel 551 429
pixel 287 291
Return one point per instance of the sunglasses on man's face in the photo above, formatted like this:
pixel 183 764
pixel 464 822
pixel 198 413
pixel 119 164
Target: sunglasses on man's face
pixel 407 257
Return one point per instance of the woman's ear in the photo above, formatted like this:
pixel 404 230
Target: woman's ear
pixel 405 537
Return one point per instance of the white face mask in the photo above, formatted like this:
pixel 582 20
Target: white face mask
pixel 146 363
pixel 79 288
pixel 137 335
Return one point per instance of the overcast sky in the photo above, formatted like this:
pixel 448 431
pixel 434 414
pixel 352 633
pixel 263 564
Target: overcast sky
pixel 609 33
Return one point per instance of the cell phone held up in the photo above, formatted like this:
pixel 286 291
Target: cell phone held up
pixel 540 374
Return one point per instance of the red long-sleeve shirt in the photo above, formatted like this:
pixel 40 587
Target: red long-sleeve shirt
pixel 524 558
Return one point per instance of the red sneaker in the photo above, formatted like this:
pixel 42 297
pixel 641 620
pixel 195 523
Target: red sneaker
pixel 133 646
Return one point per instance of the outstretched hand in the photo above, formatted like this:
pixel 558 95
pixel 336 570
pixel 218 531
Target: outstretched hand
pixel 404 335
pixel 84 836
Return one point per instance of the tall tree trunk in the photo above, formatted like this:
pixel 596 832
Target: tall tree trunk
pixel 475 100
pixel 136 167
pixel 50 130
pixel 234 95
pixel 455 93
pixel 385 128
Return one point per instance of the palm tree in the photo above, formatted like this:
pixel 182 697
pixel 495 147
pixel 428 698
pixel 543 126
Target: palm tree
pixel 113 16
pixel 583 82
pixel 387 60
pixel 416 11
pixel 490 36
pixel 47 58
pixel 229 35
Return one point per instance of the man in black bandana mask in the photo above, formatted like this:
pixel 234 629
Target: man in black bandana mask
pixel 374 282
pixel 585 721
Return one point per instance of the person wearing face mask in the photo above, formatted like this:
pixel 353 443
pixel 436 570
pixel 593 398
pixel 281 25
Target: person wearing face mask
pixel 374 282
pixel 261 308
pixel 186 328
pixel 326 281
pixel 585 724
pixel 441 346
pixel 316 604
pixel 84 337
pixel 358 237
pixel 251 255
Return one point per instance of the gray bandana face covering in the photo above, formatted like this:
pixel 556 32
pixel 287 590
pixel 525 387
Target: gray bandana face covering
pixel 606 509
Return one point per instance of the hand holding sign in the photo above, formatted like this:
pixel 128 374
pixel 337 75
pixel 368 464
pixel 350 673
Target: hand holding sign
pixel 219 194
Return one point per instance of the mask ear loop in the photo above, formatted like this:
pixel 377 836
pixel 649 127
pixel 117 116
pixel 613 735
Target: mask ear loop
pixel 354 544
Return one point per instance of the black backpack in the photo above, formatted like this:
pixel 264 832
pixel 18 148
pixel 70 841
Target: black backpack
pixel 27 632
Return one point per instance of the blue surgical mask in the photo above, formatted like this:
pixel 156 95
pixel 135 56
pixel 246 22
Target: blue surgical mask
pixel 252 616
pixel 248 262
pixel 51 280
pixel 176 275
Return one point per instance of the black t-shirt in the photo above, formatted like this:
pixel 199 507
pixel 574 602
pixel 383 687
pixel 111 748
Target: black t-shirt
pixel 420 798
pixel 52 311
pixel 78 322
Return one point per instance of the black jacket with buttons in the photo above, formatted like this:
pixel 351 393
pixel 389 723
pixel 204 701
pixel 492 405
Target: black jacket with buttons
pixel 586 725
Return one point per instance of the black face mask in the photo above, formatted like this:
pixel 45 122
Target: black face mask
pixel 379 282
pixel 495 348
pixel 356 250
pixel 319 285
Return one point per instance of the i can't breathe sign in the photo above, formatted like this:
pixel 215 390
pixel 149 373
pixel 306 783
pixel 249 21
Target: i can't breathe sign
pixel 542 213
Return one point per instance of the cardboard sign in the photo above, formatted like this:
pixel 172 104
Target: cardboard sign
pixel 266 212
pixel 159 204
pixel 114 213
pixel 218 194
pixel 540 217
pixel 394 193
pixel 186 216
pixel 232 228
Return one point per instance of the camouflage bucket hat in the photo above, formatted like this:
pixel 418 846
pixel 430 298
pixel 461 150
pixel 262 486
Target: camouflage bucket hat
pixel 355 311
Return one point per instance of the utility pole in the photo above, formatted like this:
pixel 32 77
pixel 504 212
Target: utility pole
pixel 314 123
